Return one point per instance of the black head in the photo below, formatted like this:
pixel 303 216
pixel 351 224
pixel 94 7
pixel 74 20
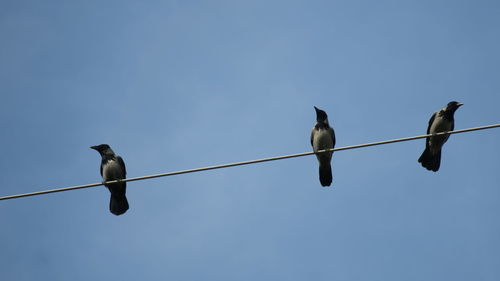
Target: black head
pixel 320 115
pixel 453 106
pixel 103 149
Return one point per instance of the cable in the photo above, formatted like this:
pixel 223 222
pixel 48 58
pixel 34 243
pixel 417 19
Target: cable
pixel 246 162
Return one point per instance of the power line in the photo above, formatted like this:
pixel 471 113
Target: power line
pixel 246 162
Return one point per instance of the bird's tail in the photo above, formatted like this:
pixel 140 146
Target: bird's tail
pixel 325 174
pixel 118 204
pixel 430 161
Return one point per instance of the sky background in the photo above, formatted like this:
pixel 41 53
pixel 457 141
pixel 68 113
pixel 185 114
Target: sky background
pixel 174 85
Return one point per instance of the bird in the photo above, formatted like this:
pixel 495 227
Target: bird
pixel 323 137
pixel 113 168
pixel 441 121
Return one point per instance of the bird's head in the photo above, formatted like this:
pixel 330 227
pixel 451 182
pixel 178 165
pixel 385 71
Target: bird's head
pixel 103 149
pixel 321 116
pixel 453 106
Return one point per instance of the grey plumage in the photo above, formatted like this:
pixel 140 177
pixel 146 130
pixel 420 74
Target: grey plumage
pixel 441 121
pixel 113 168
pixel 323 137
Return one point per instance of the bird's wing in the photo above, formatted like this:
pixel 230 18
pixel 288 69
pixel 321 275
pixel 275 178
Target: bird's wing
pixel 427 140
pixel 122 165
pixel 332 134
pixel 312 136
pixel 430 122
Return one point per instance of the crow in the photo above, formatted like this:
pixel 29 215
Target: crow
pixel 113 168
pixel 323 137
pixel 441 121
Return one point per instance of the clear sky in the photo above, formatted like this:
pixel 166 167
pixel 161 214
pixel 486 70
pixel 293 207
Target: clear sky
pixel 173 85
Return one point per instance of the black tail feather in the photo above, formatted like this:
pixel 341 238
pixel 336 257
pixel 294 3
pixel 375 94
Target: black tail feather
pixel 430 161
pixel 118 204
pixel 325 174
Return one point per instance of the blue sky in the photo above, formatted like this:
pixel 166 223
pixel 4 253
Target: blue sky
pixel 173 85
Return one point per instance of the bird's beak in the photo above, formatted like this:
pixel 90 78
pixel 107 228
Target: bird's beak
pixel 459 104
pixel 94 147
pixel 315 108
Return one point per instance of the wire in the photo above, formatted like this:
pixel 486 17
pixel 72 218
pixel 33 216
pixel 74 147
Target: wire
pixel 246 162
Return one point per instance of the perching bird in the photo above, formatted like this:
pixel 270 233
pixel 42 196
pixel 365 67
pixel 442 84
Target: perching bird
pixel 113 168
pixel 441 121
pixel 323 137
